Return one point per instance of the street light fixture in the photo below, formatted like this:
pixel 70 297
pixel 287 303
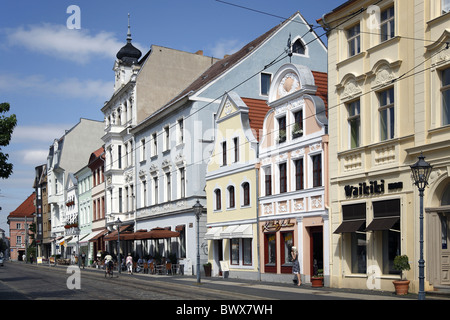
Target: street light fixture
pixel 198 208
pixel 420 173
pixel 118 223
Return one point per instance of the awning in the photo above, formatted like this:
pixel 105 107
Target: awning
pixel 228 232
pixel 243 231
pixel 89 237
pixel 350 226
pixel 379 224
pixel 99 235
pixel 213 233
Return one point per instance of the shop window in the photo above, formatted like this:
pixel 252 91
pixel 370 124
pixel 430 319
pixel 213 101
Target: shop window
pixel 247 251
pixel 359 252
pixel 287 242
pixel 234 251
pixel 270 253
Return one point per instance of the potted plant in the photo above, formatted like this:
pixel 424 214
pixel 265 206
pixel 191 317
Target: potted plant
pixel 297 131
pixel 282 136
pixel 317 278
pixel 401 264
pixel 207 267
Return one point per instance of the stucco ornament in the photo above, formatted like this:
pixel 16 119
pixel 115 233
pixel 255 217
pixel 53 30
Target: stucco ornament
pixel 288 84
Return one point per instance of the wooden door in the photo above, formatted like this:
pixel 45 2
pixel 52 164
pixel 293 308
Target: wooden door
pixel 445 249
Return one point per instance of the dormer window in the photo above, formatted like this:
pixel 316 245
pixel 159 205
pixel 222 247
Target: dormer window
pixel 298 47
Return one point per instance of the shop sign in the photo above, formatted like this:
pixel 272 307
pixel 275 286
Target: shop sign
pixel 276 225
pixel 374 187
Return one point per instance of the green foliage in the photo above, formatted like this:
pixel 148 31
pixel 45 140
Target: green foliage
pixel 7 125
pixel 401 263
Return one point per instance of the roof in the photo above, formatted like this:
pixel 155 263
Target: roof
pixel 26 209
pixel 257 112
pixel 224 65
pixel 321 81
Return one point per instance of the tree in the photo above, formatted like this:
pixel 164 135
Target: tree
pixel 7 125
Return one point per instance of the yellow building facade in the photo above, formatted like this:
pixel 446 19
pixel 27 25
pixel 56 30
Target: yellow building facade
pixel 389 100
pixel 231 189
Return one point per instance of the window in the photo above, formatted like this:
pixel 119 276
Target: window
pixel 298 174
pixel 234 251
pixel 155 190
pixel 283 177
pixel 288 242
pixel 268 181
pixel 119 156
pixel 236 149
pixel 143 150
pixel 317 170
pixel 246 192
pixel 270 252
pixel 218 199
pixel 298 47
pixel 182 183
pixel 166 138
pixel 386 114
pixel 120 201
pixel 168 187
pixel 247 251
pixel 154 144
pixel 445 6
pixel 446 96
pixel 359 252
pixel 387 24
pixel 144 194
pixel 265 83
pixel 224 153
pixel 231 195
pixel 297 130
pixel 354 40
pixel 180 131
pixel 282 129
pixel 354 123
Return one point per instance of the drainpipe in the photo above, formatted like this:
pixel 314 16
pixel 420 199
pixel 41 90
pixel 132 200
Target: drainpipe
pixel 258 254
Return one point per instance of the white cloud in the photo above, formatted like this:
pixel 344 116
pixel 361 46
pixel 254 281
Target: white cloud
pixel 43 133
pixel 69 88
pixel 224 47
pixel 34 156
pixel 67 44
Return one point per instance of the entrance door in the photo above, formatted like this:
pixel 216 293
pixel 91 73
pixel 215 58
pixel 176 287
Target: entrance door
pixel 316 249
pixel 445 249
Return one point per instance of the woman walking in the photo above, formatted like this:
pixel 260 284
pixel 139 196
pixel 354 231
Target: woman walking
pixel 296 266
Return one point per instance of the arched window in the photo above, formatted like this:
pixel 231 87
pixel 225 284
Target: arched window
pixel 231 202
pixel 218 201
pixel 246 193
pixel 446 197
pixel 298 47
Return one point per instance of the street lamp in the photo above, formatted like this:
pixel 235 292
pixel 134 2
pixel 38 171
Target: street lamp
pixel 118 223
pixel 420 173
pixel 198 208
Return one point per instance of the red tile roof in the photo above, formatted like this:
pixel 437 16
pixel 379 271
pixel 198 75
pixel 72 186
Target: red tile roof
pixel 27 208
pixel 257 112
pixel 321 81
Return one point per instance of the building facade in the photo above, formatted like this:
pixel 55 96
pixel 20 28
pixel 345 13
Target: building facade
pixel 388 98
pixel 20 221
pixel 293 195
pixel 231 188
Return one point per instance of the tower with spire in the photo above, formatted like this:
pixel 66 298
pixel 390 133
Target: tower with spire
pixel 127 58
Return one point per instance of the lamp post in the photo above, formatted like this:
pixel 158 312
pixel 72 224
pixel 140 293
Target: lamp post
pixel 118 223
pixel 420 173
pixel 198 212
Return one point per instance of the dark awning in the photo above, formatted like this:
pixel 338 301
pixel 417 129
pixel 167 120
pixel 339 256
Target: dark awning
pixel 380 224
pixel 350 226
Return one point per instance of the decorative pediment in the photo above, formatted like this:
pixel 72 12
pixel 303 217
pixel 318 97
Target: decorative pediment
pixel 288 84
pixel 385 72
pixel 440 50
pixel 350 86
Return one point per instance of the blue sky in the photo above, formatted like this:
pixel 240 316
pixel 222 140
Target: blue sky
pixel 52 75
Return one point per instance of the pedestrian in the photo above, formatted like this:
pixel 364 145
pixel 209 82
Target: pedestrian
pixel 129 263
pixel 83 258
pixel 296 267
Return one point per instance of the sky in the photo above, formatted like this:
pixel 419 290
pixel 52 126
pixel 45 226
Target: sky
pixel 56 63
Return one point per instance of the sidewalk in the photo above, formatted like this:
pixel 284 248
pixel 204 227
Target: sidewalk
pixel 257 287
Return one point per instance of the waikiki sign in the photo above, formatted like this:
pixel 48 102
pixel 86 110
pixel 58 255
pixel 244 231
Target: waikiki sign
pixel 371 188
